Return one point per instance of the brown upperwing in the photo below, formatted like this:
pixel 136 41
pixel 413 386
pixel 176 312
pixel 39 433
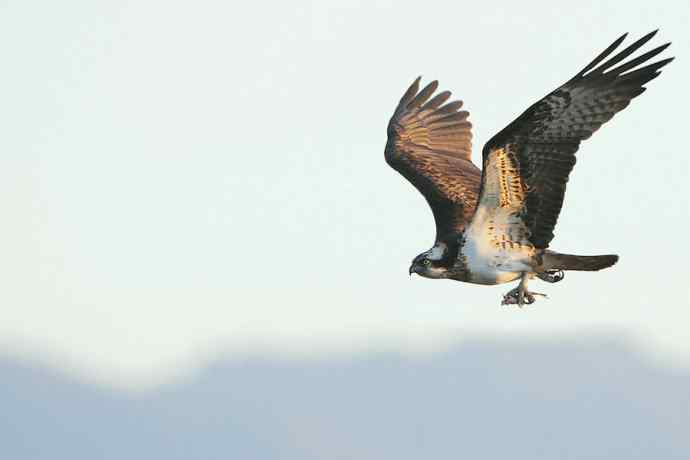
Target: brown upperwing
pixel 430 144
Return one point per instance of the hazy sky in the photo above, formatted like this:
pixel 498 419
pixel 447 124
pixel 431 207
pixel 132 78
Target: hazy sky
pixel 179 179
pixel 543 399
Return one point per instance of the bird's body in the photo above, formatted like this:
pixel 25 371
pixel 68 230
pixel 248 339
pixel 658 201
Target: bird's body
pixel 494 226
pixel 488 261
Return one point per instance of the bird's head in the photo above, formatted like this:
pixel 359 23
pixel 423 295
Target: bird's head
pixel 424 265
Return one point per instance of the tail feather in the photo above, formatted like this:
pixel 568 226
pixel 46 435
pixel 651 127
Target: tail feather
pixel 556 261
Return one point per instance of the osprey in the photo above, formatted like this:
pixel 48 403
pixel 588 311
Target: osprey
pixel 494 226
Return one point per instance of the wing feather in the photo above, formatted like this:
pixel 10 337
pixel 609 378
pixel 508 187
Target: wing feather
pixel 430 143
pixel 536 153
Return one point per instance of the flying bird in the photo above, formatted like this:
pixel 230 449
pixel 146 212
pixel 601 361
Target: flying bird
pixel 495 225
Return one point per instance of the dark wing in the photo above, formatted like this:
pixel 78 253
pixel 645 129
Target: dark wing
pixel 430 143
pixel 526 166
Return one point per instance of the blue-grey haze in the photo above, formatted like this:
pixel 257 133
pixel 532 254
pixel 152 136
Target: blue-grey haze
pixel 590 397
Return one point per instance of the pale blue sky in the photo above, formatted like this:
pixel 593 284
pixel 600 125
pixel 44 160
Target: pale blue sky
pixel 180 179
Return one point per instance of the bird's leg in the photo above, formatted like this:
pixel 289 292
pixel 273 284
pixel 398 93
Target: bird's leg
pixel 520 295
pixel 551 276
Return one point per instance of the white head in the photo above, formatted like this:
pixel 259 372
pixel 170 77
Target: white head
pixel 431 263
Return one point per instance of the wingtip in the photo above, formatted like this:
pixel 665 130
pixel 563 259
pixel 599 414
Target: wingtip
pixel 430 87
pixel 412 90
pixel 647 37
pixel 603 55
pixel 663 47
pixel 416 82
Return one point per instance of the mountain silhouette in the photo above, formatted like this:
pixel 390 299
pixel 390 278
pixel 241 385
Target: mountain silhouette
pixel 579 397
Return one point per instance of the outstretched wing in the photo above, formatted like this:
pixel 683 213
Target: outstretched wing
pixel 430 143
pixel 526 165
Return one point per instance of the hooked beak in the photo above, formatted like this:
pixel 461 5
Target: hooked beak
pixel 413 269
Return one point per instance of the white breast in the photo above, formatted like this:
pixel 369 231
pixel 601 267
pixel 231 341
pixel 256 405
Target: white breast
pixel 489 258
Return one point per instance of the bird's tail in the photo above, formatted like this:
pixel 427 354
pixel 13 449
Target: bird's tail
pixel 555 261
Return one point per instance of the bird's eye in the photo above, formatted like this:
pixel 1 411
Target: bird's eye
pixel 427 261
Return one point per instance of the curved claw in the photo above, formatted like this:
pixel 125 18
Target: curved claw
pixel 508 300
pixel 552 276
pixel 513 298
pixel 529 297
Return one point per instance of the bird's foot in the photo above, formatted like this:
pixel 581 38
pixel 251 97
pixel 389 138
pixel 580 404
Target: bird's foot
pixel 515 297
pixel 551 276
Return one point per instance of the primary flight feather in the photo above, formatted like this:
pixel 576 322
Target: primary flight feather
pixel 494 225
